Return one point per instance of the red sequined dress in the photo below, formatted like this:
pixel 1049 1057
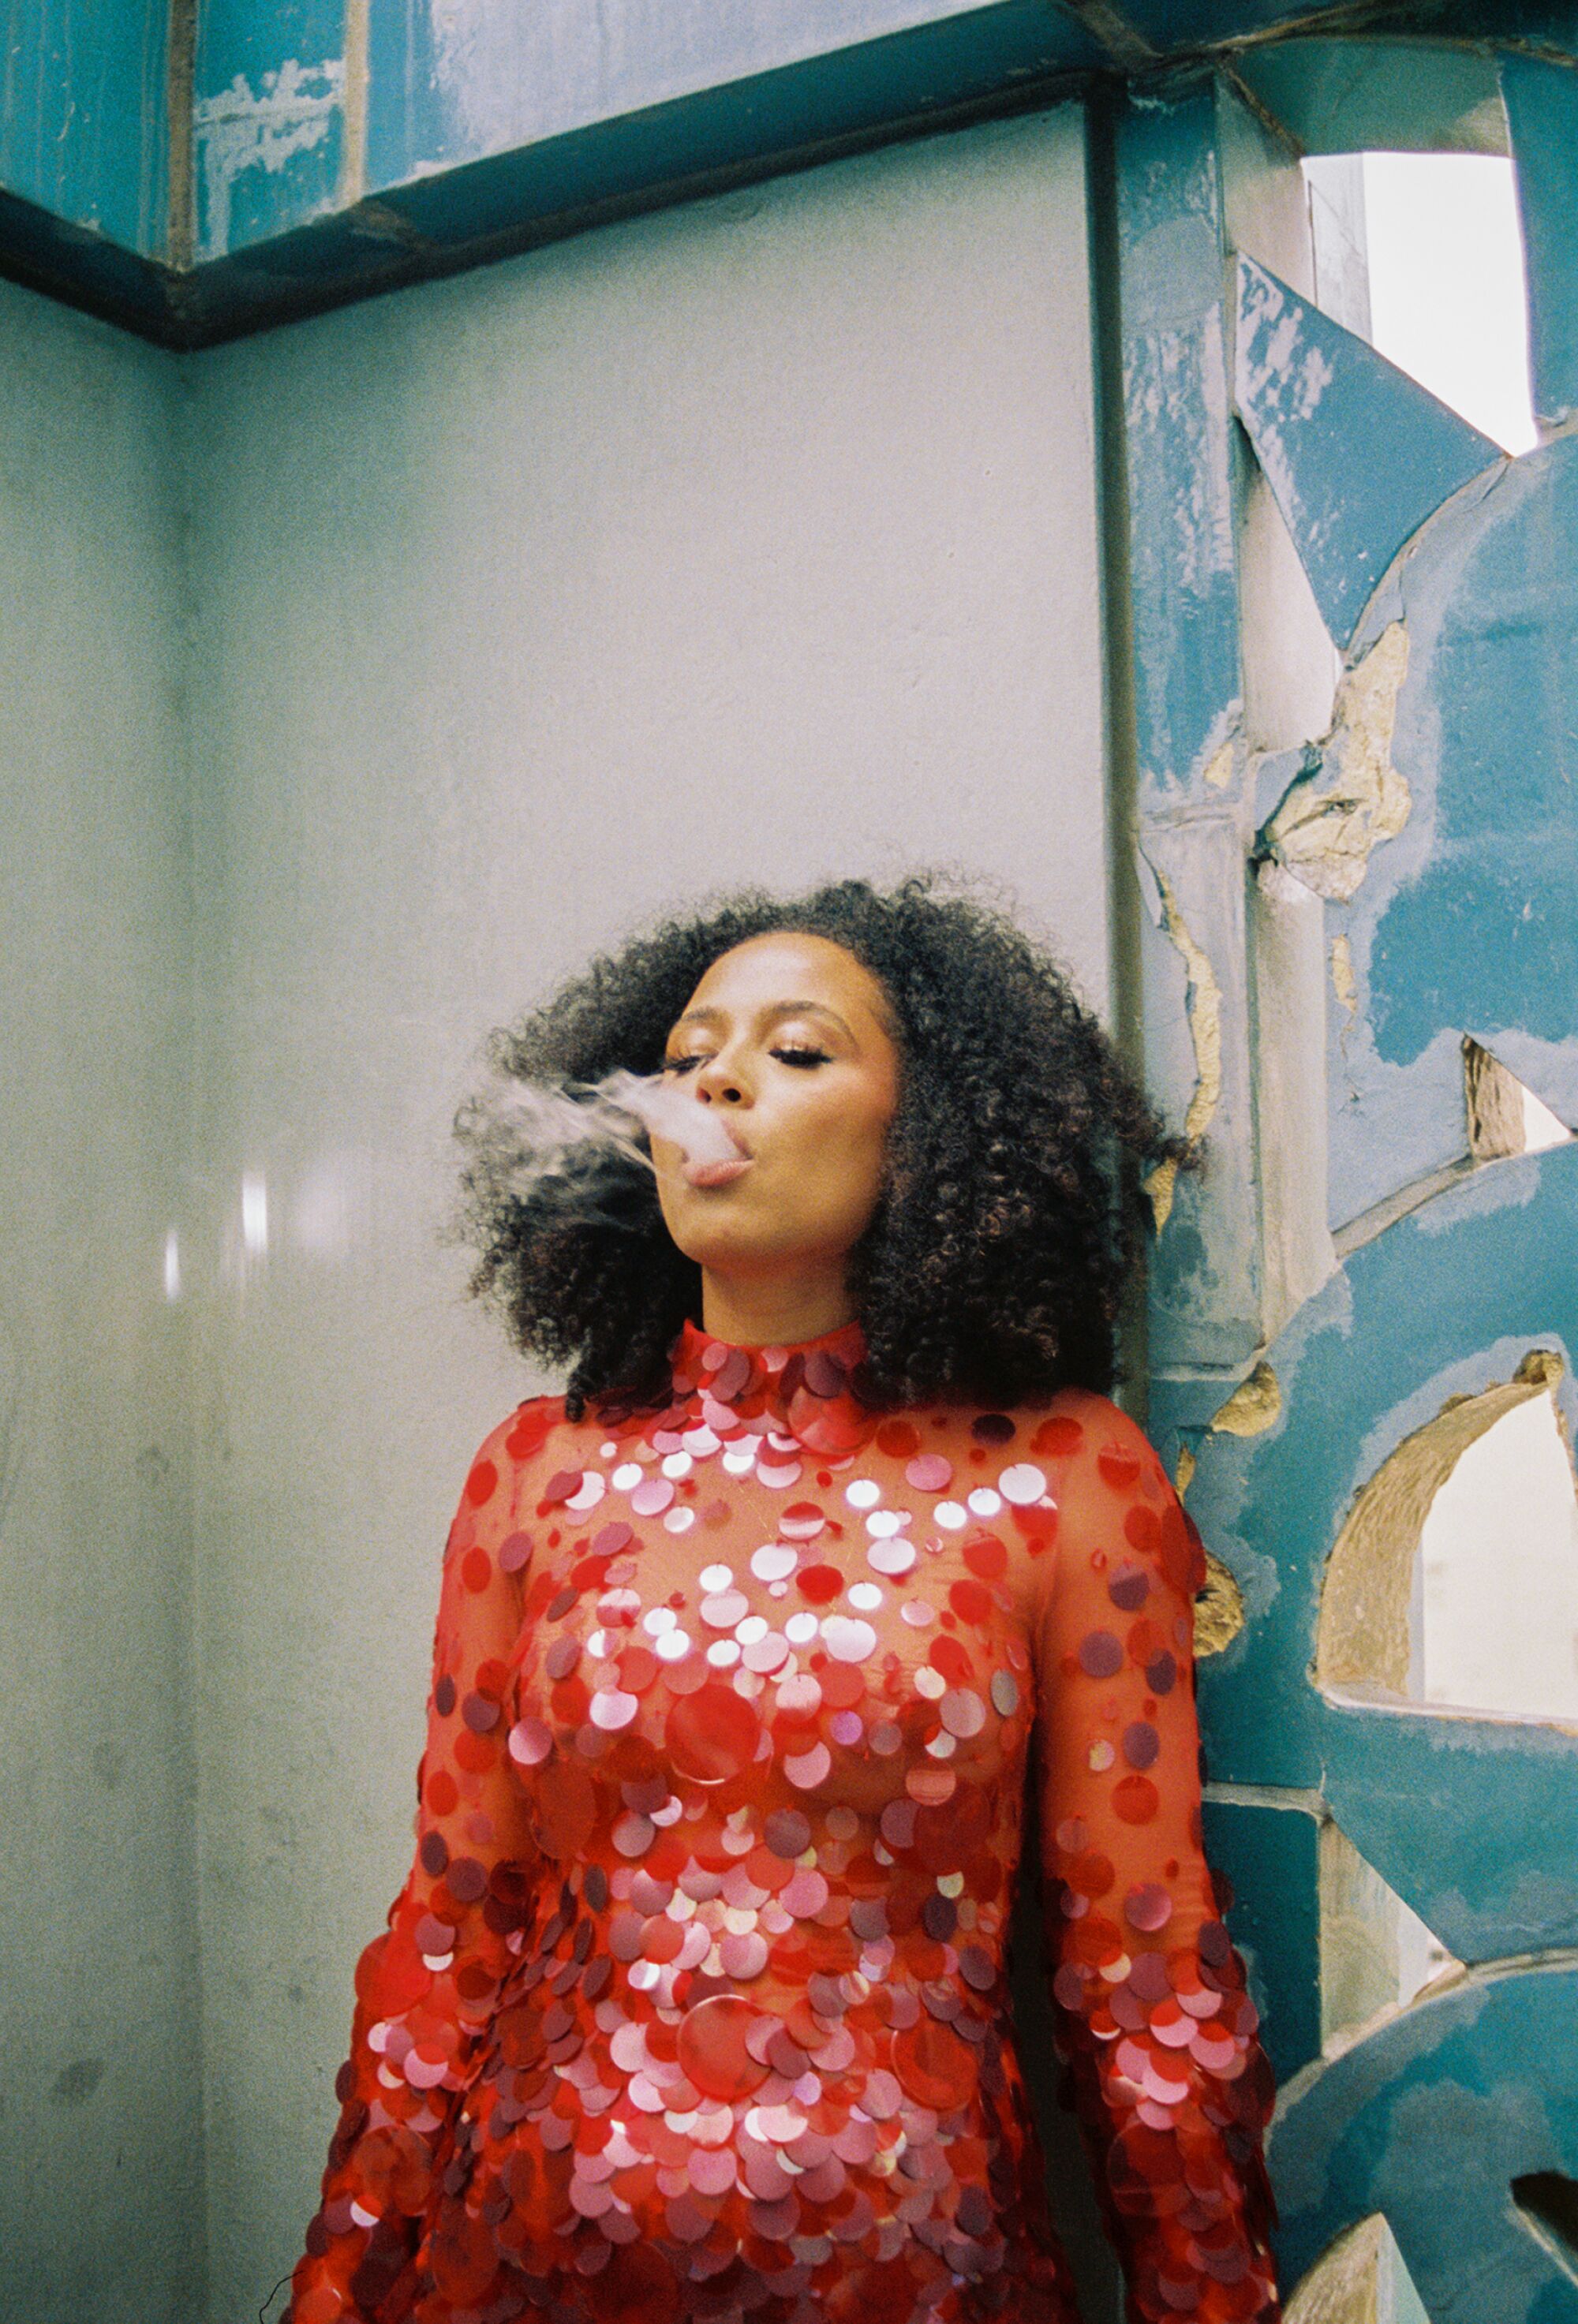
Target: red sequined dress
pixel 694 2004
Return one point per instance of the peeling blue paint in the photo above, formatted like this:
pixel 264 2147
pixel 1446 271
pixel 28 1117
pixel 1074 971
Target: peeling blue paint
pixel 268 119
pixel 1358 454
pixel 1429 2121
pixel 1472 1821
pixel 1466 921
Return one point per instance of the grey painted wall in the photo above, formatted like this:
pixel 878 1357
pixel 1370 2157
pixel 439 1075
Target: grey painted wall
pixel 755 540
pixel 100 2096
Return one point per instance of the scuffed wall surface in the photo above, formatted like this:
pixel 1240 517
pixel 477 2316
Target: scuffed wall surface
pixel 100 2119
pixel 754 541
pixel 1413 861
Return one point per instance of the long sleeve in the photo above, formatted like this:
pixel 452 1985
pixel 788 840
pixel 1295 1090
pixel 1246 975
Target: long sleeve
pixel 1171 2085
pixel 428 1987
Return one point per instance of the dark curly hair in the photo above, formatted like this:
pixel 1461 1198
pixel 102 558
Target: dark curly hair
pixel 994 1264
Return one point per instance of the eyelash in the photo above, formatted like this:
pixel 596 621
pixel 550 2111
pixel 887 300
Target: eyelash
pixel 802 1059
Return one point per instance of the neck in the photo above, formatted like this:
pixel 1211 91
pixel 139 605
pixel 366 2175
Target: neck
pixel 766 1314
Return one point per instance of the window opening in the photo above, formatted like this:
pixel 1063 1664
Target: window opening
pixel 1496 1615
pixel 1448 297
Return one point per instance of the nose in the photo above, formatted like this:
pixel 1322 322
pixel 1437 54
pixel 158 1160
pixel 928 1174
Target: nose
pixel 717 1084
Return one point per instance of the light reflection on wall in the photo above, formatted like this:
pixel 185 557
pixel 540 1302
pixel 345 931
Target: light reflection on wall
pixel 172 1265
pixel 254 1213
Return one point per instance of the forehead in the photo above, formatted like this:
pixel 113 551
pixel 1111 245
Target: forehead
pixel 790 966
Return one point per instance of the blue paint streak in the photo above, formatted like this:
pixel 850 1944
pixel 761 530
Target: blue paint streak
pixel 250 187
pixel 1357 454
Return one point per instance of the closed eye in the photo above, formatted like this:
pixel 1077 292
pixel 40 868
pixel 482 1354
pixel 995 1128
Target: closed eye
pixel 802 1057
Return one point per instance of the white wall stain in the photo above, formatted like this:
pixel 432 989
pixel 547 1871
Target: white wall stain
pixel 236 130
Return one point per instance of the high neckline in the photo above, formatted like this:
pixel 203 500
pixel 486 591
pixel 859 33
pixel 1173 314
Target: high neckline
pixel 692 1351
pixel 809 1387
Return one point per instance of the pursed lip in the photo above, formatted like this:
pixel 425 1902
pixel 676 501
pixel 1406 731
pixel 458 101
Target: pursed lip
pixel 721 1174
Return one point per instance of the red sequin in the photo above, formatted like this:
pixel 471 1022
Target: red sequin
pixel 693 2004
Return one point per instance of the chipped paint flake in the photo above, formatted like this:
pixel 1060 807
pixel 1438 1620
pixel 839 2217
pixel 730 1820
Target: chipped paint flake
pixel 1344 983
pixel 1204 1007
pixel 238 130
pixel 1220 772
pixel 1219 1610
pixel 1330 822
pixel 1253 1404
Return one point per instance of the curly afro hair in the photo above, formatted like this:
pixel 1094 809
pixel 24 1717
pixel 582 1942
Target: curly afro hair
pixel 993 1266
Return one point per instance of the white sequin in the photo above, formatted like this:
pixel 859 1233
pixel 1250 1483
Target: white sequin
pixel 865 1596
pixel 1023 1484
pixel 672 1646
pixel 753 1628
pixel 739 1460
pixel 678 1464
pixel 679 1520
pixel 699 1441
pixel 773 1562
pixel 715 1577
pixel 722 1654
pixel 800 1629
pixel 864 1493
pixel 985 1502
pixel 884 1524
pixel 847 1641
pixel 891 1557
pixel 724 1608
pixel 588 1493
pixel 951 1515
pixel 660 1618
pixel 628 1476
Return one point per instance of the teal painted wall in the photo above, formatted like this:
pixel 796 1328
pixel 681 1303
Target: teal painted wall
pixel 84 115
pixel 100 2116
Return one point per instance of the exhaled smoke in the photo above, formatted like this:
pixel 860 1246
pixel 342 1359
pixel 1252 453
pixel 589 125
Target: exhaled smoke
pixel 572 1144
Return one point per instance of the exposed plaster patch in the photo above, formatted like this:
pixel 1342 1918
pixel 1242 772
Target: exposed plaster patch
pixel 1363 1638
pixel 1253 1404
pixel 1344 983
pixel 1344 2286
pixel 1330 823
pixel 1220 772
pixel 1219 1610
pixel 1184 1474
pixel 1204 1008
pixel 237 130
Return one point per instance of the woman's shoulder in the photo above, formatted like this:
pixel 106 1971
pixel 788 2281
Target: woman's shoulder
pixel 532 1431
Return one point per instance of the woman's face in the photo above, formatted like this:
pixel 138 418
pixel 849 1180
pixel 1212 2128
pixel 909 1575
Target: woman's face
pixel 788 1039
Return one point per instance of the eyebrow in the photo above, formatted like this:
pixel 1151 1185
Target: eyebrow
pixel 780 1009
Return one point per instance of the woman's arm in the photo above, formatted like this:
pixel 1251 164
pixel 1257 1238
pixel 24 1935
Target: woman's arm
pixel 1171 2085
pixel 427 1988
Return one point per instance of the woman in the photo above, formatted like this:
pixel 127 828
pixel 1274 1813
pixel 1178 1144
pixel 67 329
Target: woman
pixel 694 2005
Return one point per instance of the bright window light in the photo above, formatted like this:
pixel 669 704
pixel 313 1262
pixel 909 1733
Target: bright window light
pixel 1447 297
